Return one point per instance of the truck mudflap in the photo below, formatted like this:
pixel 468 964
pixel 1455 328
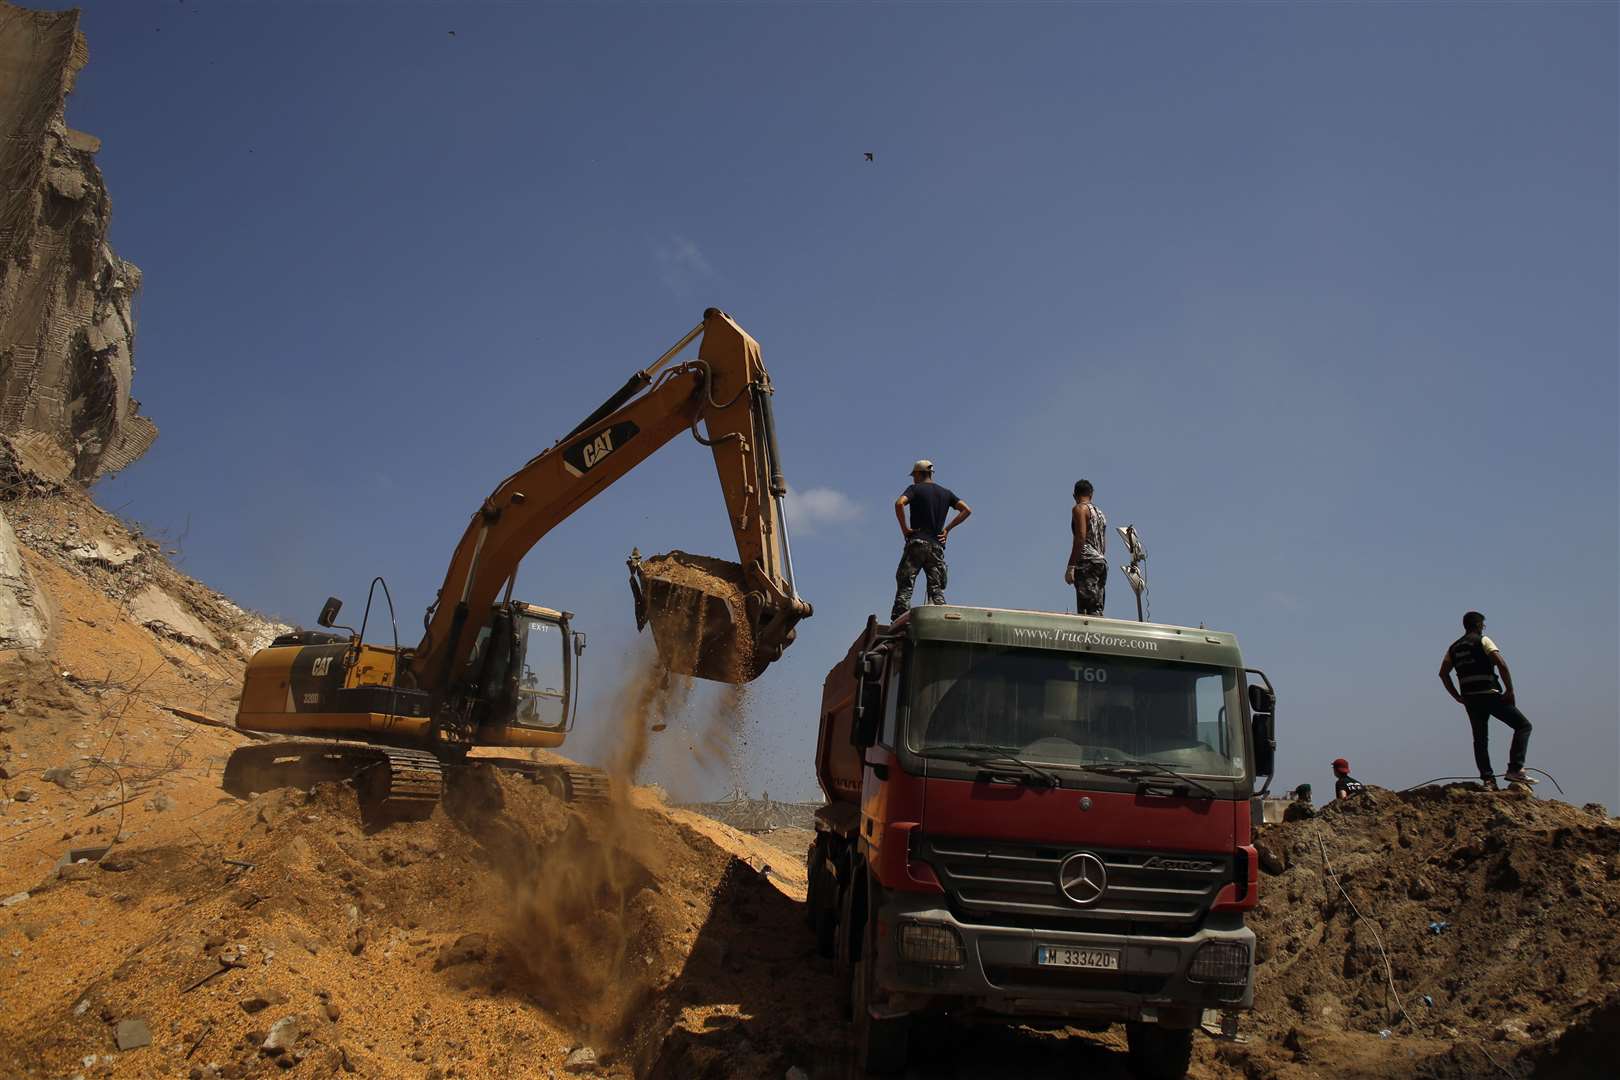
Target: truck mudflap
pixel 996 971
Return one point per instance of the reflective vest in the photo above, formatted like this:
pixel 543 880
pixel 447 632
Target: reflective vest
pixel 1475 672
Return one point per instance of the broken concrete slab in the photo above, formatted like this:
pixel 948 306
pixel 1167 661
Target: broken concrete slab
pixel 24 617
pixel 162 613
pixel 105 553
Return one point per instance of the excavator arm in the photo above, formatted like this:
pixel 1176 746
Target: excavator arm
pixel 729 391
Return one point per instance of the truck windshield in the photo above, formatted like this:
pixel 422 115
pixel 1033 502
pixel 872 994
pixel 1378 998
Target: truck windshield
pixel 542 684
pixel 1073 709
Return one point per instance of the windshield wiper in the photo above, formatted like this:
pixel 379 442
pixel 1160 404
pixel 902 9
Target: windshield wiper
pixel 1141 770
pixel 985 755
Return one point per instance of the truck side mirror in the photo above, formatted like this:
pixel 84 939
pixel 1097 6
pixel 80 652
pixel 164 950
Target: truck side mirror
pixel 329 611
pixel 868 701
pixel 1263 721
pixel 579 643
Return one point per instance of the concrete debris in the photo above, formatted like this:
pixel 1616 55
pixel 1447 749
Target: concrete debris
pixel 105 553
pixel 162 613
pixel 24 617
pixel 581 1060
pixel 67 327
pixel 262 1000
pixel 284 1035
pixel 13 900
pixel 133 1034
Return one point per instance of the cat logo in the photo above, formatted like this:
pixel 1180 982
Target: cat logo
pixel 322 666
pixel 593 449
pixel 600 447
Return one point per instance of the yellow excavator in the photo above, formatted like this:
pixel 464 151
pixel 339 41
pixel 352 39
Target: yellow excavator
pixel 491 671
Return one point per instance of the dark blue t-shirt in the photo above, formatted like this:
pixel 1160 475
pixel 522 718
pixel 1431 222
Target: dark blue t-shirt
pixel 930 504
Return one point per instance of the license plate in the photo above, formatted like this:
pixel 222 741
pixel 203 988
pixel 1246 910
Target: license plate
pixel 1064 956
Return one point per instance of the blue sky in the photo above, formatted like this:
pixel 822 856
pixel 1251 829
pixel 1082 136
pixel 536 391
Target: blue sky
pixel 1322 298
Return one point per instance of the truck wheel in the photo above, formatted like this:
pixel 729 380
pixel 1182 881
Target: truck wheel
pixel 881 1046
pixel 820 895
pixel 1158 1053
pixel 844 948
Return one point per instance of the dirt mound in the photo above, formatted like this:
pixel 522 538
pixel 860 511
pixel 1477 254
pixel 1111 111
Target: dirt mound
pixel 1485 942
pixel 491 940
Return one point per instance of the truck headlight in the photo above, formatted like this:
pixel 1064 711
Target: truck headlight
pixel 1222 962
pixel 925 943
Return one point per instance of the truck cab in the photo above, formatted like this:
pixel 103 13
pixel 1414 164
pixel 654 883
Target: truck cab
pixel 1039 818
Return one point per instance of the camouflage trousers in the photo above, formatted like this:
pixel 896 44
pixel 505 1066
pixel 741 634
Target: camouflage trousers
pixel 1090 587
pixel 927 556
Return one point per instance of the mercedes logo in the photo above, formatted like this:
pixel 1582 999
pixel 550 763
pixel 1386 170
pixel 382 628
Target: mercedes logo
pixel 1083 878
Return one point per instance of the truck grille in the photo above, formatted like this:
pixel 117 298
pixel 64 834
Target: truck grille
pixel 1148 892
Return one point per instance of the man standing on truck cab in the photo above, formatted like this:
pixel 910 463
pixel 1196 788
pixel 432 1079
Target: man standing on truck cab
pixel 1088 555
pixel 925 536
pixel 1474 656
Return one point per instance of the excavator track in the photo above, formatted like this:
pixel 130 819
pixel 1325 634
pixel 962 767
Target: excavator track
pixel 395 782
pixel 403 783
pixel 571 783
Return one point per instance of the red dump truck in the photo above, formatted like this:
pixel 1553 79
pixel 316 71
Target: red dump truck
pixel 1039 819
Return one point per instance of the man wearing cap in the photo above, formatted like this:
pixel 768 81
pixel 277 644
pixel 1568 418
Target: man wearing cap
pixel 1476 660
pixel 925 536
pixel 1345 785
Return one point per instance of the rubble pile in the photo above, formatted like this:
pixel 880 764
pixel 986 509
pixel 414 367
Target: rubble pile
pixel 67 325
pixel 1486 943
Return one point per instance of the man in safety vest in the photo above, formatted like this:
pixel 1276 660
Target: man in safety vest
pixel 1476 660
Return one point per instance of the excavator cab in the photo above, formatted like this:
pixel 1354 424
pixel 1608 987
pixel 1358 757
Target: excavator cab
pixel 527 659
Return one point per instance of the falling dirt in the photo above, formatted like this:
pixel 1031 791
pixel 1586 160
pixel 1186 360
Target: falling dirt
pixel 699 616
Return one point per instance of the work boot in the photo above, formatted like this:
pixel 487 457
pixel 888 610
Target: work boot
pixel 1518 776
pixel 1489 783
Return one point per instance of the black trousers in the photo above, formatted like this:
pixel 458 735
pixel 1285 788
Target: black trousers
pixel 1481 707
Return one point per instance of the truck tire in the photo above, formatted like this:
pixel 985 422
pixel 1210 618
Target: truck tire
pixel 845 947
pixel 881 1046
pixel 1158 1053
pixel 821 893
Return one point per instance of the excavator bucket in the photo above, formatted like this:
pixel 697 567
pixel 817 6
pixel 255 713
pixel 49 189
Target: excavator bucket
pixel 698 609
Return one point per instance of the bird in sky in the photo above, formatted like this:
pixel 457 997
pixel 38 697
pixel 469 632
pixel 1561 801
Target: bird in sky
pixel 869 156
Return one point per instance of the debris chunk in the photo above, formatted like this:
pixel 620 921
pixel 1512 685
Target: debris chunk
pixel 464 950
pixel 284 1035
pixel 133 1034
pixel 262 999
pixel 581 1060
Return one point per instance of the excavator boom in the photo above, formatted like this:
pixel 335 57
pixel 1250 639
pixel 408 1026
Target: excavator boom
pixel 742 614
